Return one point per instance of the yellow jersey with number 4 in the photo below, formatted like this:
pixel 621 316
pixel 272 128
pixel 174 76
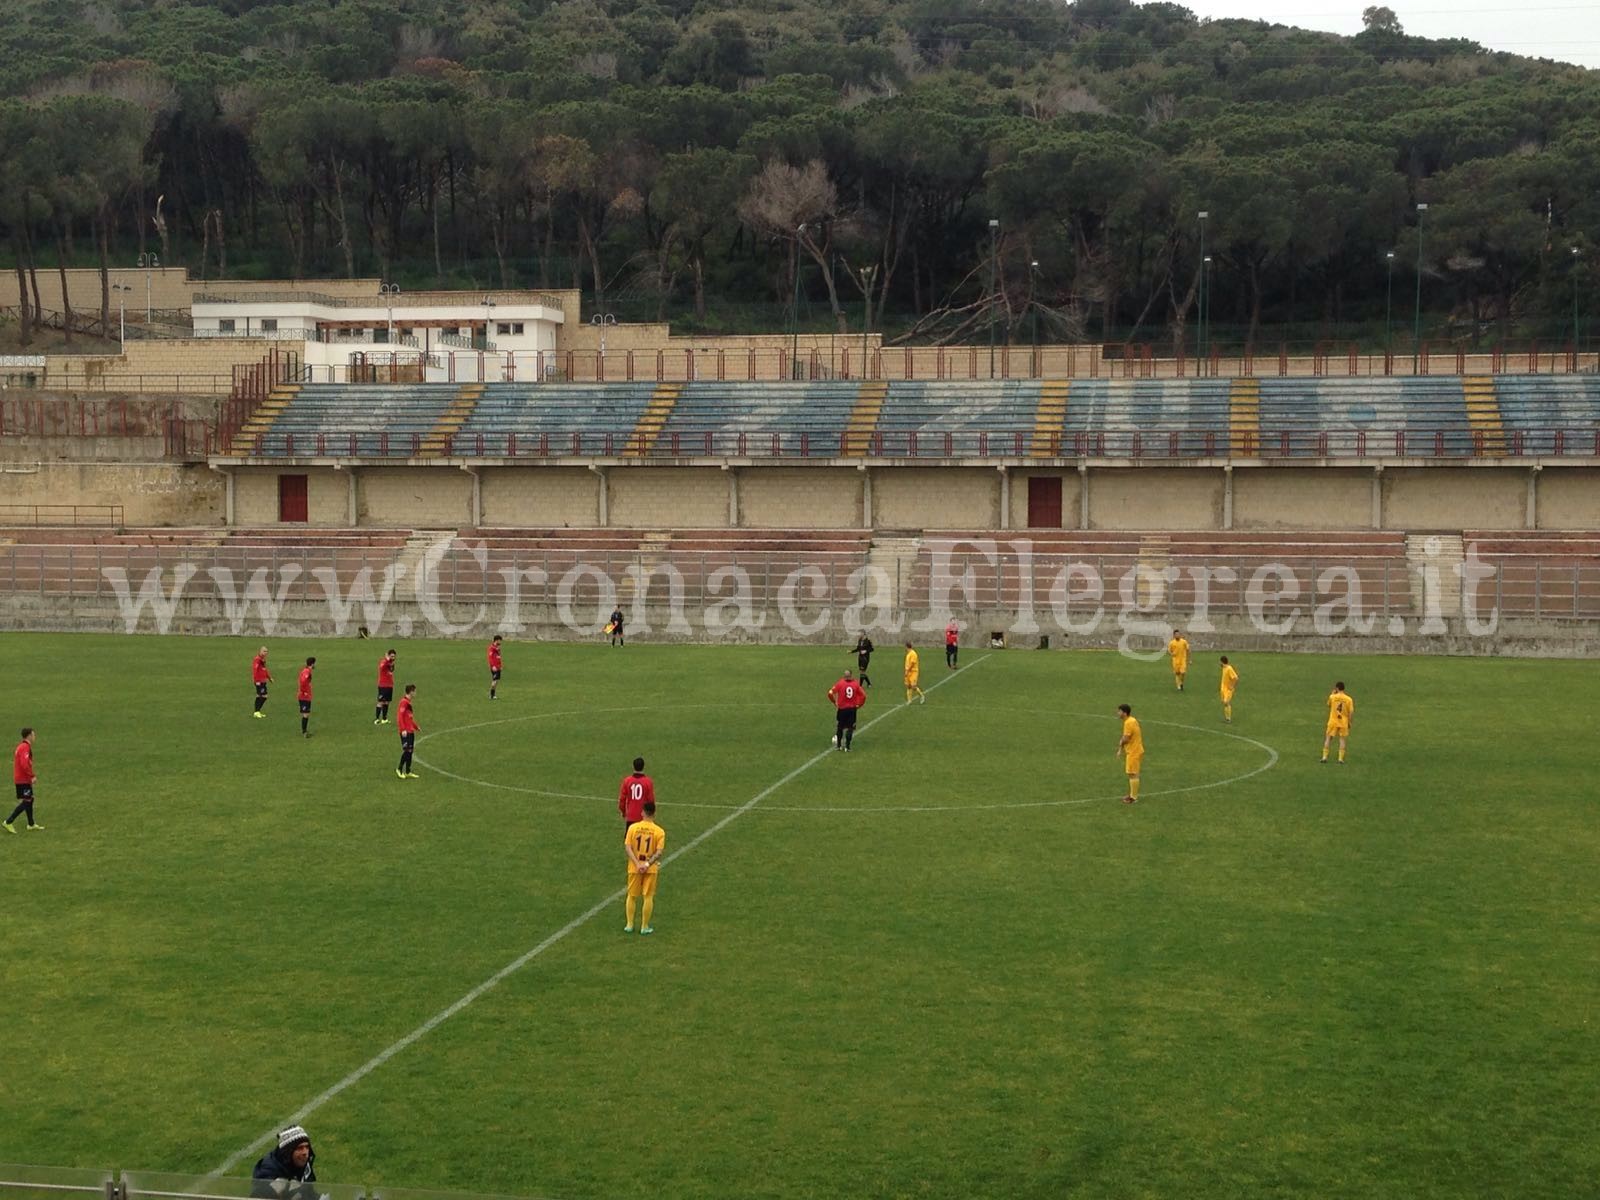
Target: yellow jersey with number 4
pixel 1340 709
pixel 1178 648
pixel 1230 680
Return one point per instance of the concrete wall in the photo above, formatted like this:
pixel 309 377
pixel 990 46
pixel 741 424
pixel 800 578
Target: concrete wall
pixel 1454 498
pixel 936 498
pixel 327 496
pixel 541 497
pixel 793 498
pixel 1569 498
pixel 150 493
pixel 176 365
pixel 667 497
pixel 1154 498
pixel 1302 498
pixel 407 498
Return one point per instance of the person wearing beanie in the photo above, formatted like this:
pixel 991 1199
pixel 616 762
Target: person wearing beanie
pixel 290 1162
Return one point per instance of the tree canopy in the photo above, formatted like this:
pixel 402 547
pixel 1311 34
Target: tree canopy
pixel 685 159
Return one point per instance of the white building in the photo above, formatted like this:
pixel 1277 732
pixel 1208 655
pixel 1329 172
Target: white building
pixel 438 335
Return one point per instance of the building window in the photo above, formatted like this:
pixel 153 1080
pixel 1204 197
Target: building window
pixel 509 328
pixel 225 325
pixel 269 324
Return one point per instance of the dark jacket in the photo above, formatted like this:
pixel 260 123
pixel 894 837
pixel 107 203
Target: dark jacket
pixel 278 1164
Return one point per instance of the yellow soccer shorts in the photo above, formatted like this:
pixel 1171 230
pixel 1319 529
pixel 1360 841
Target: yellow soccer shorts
pixel 911 680
pixel 1336 729
pixel 1227 696
pixel 1134 762
pixel 642 885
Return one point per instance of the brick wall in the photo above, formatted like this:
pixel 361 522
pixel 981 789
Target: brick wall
pixel 150 493
pixel 542 497
pixel 668 497
pixel 411 498
pixel 797 498
pixel 1152 498
pixel 936 498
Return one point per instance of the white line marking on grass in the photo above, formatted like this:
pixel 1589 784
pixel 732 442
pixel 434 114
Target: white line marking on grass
pixel 511 968
pixel 1271 752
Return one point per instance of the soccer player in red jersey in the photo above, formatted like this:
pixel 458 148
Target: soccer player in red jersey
pixel 260 676
pixel 637 790
pixel 952 644
pixel 380 714
pixel 305 697
pixel 847 696
pixel 22 772
pixel 494 665
pixel 408 734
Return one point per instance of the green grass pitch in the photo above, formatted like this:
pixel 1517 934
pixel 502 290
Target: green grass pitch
pixel 949 964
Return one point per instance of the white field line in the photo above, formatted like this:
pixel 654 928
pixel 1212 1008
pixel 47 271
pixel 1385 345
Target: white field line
pixel 511 968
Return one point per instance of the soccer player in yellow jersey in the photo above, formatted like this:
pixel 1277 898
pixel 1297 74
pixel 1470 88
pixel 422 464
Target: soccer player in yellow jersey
pixel 913 672
pixel 1131 750
pixel 1340 711
pixel 1178 648
pixel 1230 680
pixel 645 842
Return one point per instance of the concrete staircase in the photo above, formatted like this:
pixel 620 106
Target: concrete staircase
pixel 244 441
pixel 1443 554
pixel 436 442
pixel 1155 555
pixel 864 418
pixel 1244 418
pixel 410 560
pixel 1483 413
pixel 662 401
pixel 1049 423
pixel 897 557
pixel 652 545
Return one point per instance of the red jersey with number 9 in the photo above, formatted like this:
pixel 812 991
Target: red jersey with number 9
pixel 847 693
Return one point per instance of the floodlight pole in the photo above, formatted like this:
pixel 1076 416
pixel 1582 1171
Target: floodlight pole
pixel 994 282
pixel 1200 338
pixel 1416 326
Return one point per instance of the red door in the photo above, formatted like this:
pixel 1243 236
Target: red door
pixel 292 498
pixel 1044 502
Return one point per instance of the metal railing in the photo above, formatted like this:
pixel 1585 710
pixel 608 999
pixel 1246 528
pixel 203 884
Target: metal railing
pixel 493 571
pixel 75 515
pixel 1154 445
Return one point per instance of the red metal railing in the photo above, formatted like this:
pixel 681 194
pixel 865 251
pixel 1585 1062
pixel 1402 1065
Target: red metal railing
pixel 1137 444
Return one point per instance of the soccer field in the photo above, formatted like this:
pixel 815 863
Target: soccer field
pixel 949 964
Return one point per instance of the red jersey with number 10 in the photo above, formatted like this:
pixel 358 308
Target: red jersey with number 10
pixel 494 656
pixel 22 764
pixel 386 672
pixel 408 720
pixel 258 670
pixel 305 683
pixel 635 791
pixel 847 693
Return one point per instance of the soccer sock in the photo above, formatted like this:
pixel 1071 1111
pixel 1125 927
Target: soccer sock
pixel 649 907
pixel 1133 786
pixel 260 700
pixel 304 721
pixel 1324 754
pixel 1227 712
pixel 630 910
pixel 1341 754
pixel 849 736
pixel 377 713
pixel 17 812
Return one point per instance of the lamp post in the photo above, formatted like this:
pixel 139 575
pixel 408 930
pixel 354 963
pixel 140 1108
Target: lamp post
pixel 122 314
pixel 1416 324
pixel 867 275
pixel 1205 302
pixel 794 309
pixel 1576 349
pixel 994 265
pixel 1200 339
pixel 149 262
pixel 488 316
pixel 1388 311
pixel 389 291
pixel 1033 313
